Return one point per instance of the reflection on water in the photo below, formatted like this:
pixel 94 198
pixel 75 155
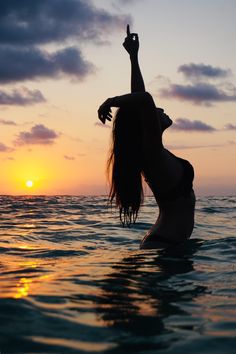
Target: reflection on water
pixel 22 288
pixel 142 293
pixel 73 281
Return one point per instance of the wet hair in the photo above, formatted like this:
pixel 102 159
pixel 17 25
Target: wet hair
pixel 125 164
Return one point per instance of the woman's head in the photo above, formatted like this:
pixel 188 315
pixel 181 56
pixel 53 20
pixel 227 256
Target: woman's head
pixel 165 120
pixel 125 164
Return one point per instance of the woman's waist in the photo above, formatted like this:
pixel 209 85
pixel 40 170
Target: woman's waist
pixel 176 203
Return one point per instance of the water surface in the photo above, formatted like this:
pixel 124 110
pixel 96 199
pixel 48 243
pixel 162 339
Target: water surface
pixel 74 281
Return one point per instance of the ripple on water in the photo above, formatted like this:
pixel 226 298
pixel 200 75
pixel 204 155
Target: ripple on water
pixel 74 281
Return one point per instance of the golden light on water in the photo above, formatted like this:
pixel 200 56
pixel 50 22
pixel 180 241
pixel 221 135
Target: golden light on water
pixel 25 285
pixel 22 289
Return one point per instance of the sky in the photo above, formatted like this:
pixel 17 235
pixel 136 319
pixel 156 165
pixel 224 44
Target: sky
pixel 60 59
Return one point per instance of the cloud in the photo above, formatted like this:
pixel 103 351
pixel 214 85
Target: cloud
pixel 127 2
pixel 184 124
pixel 101 125
pixel 71 158
pixel 192 71
pixel 39 134
pixel 46 21
pixel 200 93
pixel 26 26
pixel 33 63
pixel 21 97
pixel 4 148
pixel 185 147
pixel 200 90
pixel 7 122
pixel 207 146
pixel 229 126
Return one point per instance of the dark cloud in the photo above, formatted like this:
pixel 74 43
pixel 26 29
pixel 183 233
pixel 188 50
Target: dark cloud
pixel 21 97
pixel 7 122
pixel 27 25
pixel 71 158
pixel 230 126
pixel 203 71
pixel 192 125
pixel 28 22
pixel 19 64
pixel 200 93
pixel 39 134
pixel 201 90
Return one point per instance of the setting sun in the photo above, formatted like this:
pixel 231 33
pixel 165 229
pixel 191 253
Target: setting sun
pixel 29 183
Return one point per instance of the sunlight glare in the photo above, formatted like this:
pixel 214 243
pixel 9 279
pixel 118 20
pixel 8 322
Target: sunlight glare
pixel 29 183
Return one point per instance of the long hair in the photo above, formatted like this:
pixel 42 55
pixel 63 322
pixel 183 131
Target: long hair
pixel 125 164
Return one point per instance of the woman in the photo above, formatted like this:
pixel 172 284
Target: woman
pixel 137 151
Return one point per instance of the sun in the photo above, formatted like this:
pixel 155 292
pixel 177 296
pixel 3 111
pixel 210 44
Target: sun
pixel 29 183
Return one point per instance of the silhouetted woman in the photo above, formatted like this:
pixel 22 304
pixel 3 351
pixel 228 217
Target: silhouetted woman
pixel 137 152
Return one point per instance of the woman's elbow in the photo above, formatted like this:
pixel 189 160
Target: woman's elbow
pixel 147 98
pixel 147 95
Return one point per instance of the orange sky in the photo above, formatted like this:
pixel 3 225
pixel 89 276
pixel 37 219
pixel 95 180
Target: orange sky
pixel 49 97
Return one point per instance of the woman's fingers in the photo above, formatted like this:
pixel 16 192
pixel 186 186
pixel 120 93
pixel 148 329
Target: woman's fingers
pixel 101 118
pixel 104 113
pixel 132 37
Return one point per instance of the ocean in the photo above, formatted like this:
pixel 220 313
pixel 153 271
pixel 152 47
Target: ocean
pixel 74 281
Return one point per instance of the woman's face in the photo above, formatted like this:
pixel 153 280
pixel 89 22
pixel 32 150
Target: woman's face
pixel 164 119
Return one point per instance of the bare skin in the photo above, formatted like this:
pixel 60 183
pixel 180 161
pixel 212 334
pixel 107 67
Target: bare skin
pixel 162 170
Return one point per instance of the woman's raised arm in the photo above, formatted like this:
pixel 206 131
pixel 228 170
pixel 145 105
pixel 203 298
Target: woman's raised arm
pixel 131 45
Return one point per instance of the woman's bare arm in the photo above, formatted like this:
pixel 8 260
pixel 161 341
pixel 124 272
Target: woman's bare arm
pixel 143 102
pixel 131 44
pixel 137 99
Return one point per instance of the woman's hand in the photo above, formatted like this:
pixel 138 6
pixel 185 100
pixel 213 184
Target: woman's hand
pixel 131 43
pixel 104 111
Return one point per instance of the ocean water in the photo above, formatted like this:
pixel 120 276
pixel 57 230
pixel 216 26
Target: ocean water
pixel 74 281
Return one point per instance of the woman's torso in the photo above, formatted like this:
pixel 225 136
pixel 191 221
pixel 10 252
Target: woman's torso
pixel 170 179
